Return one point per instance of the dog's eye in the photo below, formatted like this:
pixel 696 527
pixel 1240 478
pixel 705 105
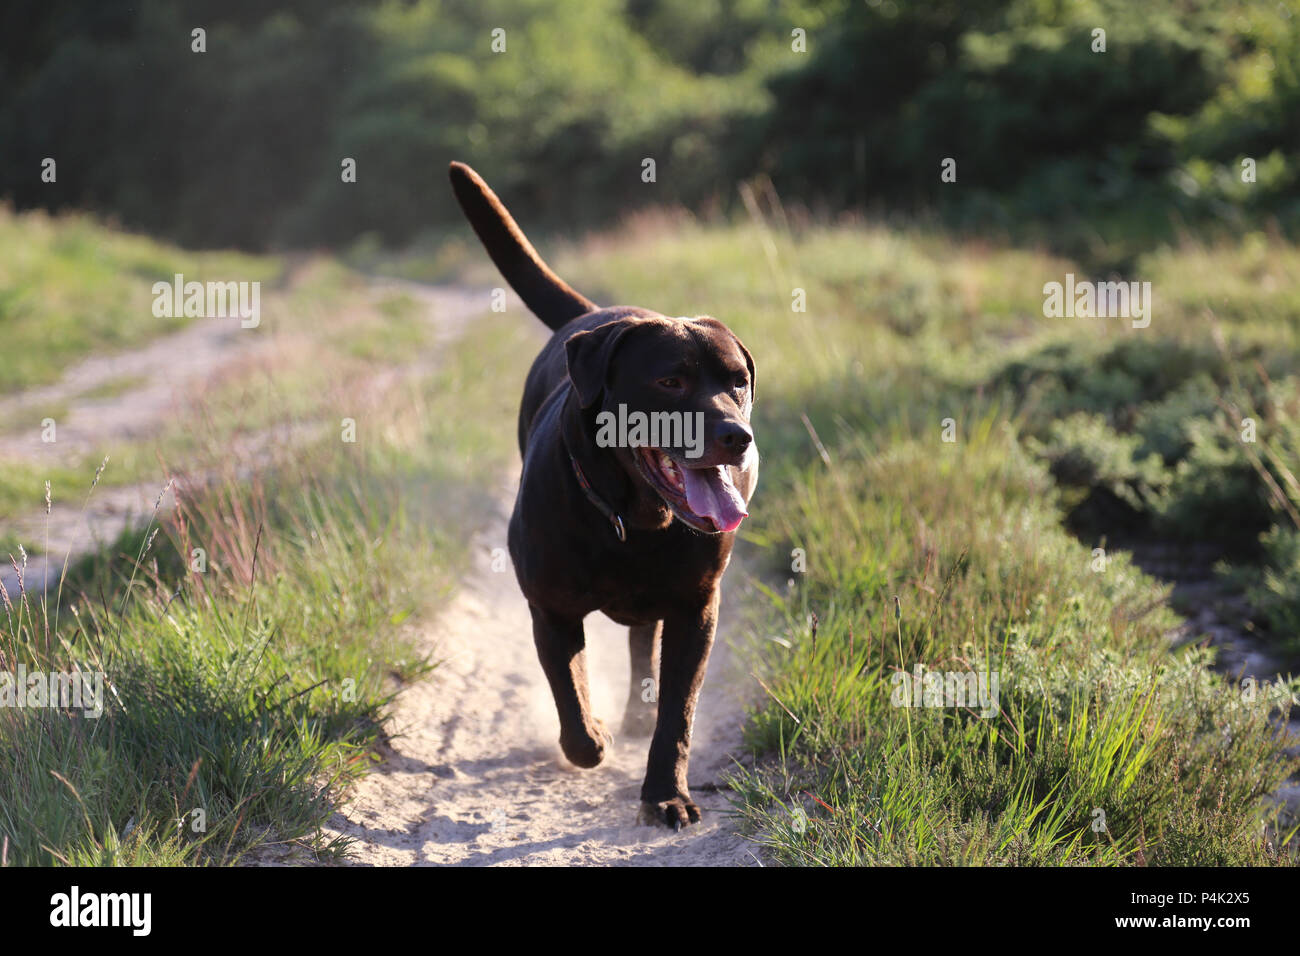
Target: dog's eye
pixel 670 383
pixel 741 382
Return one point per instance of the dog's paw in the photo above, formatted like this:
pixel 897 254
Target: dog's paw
pixel 638 720
pixel 587 748
pixel 678 812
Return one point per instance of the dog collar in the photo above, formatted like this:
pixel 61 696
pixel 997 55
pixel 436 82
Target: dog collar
pixel 596 500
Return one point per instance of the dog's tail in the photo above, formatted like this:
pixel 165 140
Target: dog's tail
pixel 549 296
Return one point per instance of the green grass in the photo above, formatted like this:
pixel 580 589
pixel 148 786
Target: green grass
pixel 22 490
pixel 876 547
pixel 254 690
pixel 897 548
pixel 70 286
pixel 328 337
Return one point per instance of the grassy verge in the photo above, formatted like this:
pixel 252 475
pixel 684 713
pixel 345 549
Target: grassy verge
pixel 323 334
pixel 70 286
pixel 928 436
pixel 249 644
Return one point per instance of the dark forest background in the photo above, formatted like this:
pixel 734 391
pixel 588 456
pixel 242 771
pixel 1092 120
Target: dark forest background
pixel 242 145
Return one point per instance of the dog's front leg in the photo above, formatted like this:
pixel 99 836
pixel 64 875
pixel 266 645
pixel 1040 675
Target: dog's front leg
pixel 683 658
pixel 561 647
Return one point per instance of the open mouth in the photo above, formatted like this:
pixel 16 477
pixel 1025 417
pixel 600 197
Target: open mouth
pixel 706 499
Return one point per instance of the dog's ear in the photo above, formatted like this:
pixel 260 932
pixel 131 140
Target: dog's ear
pixel 749 360
pixel 589 355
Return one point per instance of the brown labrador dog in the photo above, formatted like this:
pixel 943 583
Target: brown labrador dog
pixel 636 522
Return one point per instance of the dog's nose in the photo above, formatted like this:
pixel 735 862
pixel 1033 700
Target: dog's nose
pixel 734 436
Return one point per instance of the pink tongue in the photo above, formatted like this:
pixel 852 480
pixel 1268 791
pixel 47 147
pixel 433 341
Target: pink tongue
pixel 710 494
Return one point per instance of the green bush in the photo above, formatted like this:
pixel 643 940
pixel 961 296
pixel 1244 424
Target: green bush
pixel 1216 495
pixel 1100 471
pixel 1165 425
pixel 1276 592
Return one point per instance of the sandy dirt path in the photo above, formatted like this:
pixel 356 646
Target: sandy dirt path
pixel 476 776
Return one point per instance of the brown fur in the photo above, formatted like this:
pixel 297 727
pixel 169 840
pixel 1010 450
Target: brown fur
pixel 663 581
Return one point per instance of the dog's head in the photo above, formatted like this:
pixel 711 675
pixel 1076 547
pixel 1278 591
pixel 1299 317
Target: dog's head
pixel 672 400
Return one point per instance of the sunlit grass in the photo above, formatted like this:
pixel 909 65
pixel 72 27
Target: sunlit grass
pixel 70 286
pixel 253 640
pixel 863 503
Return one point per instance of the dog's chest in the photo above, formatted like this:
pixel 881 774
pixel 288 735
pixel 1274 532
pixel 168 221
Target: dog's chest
pixel 646 584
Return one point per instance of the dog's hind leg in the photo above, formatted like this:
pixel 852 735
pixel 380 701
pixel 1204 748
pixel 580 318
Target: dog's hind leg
pixel 683 657
pixel 643 687
pixel 561 647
